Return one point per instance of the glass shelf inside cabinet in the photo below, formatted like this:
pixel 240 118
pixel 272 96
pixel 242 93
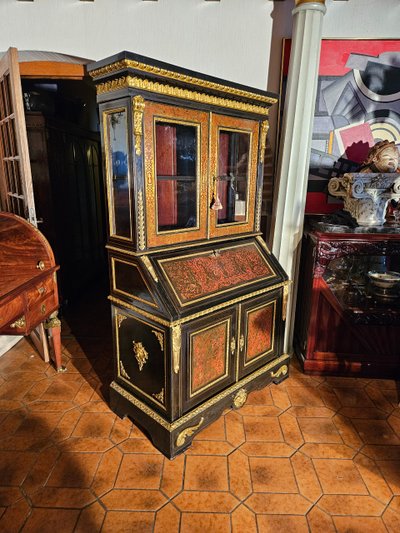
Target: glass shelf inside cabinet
pixel 233 176
pixel 177 175
pixel 347 278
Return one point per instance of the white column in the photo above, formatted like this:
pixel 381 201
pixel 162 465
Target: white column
pixel 295 144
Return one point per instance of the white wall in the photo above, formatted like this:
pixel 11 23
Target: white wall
pixel 355 19
pixel 239 40
pixel 228 39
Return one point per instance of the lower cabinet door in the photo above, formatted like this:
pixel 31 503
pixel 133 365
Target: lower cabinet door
pixel 141 357
pixel 261 329
pixel 208 362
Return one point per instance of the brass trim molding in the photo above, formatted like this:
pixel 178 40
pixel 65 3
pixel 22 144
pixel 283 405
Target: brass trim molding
pixel 261 241
pixel 179 247
pixel 285 299
pixel 130 63
pixel 149 266
pixel 240 398
pixel 203 407
pixel 283 370
pixel 233 345
pixel 263 139
pixel 123 372
pixel 188 432
pixel 176 339
pixel 53 321
pixel 120 319
pixel 138 110
pixel 141 223
pixel 160 338
pixel 141 354
pixel 200 313
pixel 141 312
pixel 178 92
pixel 241 342
pixel 258 210
pixel 160 396
pixel 20 323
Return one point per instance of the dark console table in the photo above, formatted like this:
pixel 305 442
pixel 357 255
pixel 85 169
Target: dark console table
pixel 344 325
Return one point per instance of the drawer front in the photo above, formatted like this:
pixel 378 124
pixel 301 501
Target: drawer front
pixel 40 291
pixel 41 309
pixel 261 332
pixel 9 313
pixel 141 357
pixel 208 361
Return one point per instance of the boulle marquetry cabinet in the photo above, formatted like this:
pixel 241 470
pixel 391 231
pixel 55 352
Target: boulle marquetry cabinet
pixel 198 300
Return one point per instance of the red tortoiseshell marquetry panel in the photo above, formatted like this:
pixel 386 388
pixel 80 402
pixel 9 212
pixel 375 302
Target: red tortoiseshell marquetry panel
pixel 200 275
pixel 209 354
pixel 260 332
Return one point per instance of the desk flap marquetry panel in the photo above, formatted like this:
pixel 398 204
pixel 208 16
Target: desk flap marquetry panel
pixel 209 273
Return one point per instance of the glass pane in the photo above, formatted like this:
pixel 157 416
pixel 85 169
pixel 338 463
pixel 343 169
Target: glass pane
pixel 176 167
pixel 232 179
pixel 118 173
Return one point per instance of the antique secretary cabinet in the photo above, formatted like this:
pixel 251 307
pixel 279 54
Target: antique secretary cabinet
pixel 198 300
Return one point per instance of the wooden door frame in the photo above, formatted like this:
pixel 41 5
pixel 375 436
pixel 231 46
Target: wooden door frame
pixel 9 65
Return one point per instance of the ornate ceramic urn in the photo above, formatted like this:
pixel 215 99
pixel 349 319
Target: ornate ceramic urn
pixel 366 195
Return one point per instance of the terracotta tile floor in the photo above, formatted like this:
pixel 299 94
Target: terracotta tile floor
pixel 312 454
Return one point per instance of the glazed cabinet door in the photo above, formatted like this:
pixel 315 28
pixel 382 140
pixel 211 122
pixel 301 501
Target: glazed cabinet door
pixel 208 365
pixel 261 329
pixel 176 166
pixel 141 357
pixel 233 162
pixel 115 132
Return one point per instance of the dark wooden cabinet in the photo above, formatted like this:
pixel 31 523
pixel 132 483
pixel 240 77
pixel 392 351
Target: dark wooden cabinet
pixel 197 297
pixel 344 325
pixel 66 174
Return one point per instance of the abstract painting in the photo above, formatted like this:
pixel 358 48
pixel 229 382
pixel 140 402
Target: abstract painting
pixel 357 105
